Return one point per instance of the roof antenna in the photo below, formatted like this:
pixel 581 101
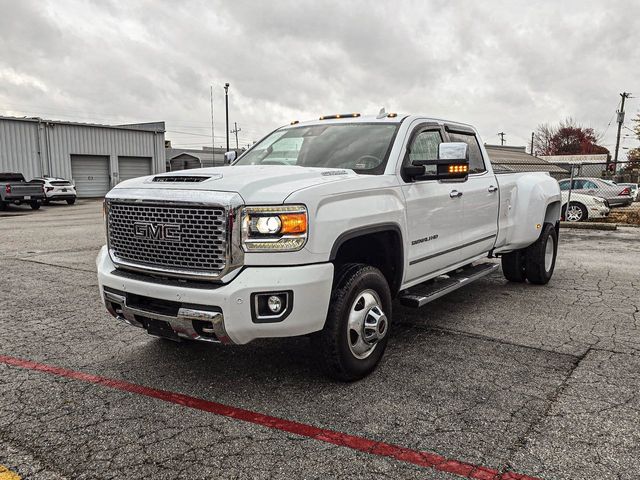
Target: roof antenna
pixel 381 113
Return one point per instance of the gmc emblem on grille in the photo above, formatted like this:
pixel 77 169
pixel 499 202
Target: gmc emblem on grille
pixel 157 231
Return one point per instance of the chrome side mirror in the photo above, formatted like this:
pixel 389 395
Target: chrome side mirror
pixel 458 151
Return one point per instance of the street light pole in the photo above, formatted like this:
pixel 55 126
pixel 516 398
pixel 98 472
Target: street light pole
pixel 226 107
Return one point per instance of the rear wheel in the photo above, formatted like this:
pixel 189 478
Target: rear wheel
pixel 576 212
pixel 35 205
pixel 541 256
pixel 3 206
pixel 513 266
pixel 71 201
pixel 357 328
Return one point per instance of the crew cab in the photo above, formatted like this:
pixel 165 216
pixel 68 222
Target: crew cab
pixel 317 229
pixel 15 189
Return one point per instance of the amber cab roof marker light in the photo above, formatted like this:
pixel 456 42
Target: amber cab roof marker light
pixel 339 115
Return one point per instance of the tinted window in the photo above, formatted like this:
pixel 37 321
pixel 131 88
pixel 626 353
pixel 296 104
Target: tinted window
pixel 425 146
pixel 588 184
pixel 476 163
pixel 564 185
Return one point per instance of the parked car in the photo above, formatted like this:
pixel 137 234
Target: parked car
pixel 15 189
pixel 57 189
pixel 374 208
pixel 583 207
pixel 635 190
pixel 616 195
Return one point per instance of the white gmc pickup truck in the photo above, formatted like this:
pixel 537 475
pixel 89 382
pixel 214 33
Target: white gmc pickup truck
pixel 316 229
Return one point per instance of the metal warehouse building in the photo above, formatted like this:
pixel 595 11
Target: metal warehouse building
pixel 95 157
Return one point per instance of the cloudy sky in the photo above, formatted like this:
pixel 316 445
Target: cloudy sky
pixel 500 65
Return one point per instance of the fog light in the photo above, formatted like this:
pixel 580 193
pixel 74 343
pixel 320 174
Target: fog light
pixel 268 307
pixel 274 303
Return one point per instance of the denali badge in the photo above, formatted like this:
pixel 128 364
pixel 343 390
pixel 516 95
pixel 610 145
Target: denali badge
pixel 157 231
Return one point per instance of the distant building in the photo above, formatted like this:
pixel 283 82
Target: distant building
pixel 516 159
pixel 96 157
pixel 587 165
pixel 187 158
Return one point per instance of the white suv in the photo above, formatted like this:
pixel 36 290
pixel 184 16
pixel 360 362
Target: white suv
pixel 57 189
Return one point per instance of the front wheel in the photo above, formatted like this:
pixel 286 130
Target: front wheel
pixel 576 212
pixel 356 332
pixel 541 256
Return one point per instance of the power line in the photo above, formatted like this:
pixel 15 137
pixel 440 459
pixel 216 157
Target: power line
pixel 501 134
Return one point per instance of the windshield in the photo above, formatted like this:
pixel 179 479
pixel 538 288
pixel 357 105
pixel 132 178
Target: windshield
pixel 363 147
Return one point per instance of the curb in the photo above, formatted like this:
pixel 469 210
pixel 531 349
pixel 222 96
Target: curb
pixel 589 225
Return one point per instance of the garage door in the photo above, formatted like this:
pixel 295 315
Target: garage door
pixel 90 174
pixel 132 167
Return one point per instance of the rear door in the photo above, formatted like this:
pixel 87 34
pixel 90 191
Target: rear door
pixel 434 216
pixel 480 195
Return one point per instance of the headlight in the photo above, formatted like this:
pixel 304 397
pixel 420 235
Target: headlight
pixel 274 229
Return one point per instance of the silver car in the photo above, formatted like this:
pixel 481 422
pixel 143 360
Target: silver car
pixel 635 190
pixel 616 195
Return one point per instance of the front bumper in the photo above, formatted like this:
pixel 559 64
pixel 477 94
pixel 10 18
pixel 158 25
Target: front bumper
pixel 599 212
pixel 227 307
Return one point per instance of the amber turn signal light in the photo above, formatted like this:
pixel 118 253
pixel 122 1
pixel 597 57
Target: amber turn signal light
pixel 458 168
pixel 293 223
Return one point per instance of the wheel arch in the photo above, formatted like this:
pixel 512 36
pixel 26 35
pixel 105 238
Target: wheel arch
pixel 379 245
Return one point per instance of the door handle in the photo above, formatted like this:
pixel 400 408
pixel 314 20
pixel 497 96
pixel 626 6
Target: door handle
pixel 455 194
pixel 493 189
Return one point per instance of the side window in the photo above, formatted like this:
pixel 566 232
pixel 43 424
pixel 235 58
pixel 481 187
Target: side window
pixel 476 163
pixel 564 185
pixel 578 184
pixel 590 185
pixel 425 146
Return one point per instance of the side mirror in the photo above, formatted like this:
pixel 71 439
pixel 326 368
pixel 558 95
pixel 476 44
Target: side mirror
pixel 452 164
pixel 229 157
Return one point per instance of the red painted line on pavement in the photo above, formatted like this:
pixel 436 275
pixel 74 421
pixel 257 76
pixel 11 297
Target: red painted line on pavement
pixel 362 444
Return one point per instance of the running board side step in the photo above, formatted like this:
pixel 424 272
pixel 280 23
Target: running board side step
pixel 424 293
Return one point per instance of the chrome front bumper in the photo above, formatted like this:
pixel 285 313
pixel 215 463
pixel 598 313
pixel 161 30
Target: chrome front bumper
pixel 182 325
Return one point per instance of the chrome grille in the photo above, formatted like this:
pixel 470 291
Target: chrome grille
pixel 194 242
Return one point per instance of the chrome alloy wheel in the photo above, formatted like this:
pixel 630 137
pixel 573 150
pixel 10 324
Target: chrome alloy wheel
pixel 367 324
pixel 548 254
pixel 574 213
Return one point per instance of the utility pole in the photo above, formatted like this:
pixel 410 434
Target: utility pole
pixel 213 138
pixel 226 108
pixel 532 135
pixel 620 112
pixel 501 138
pixel 236 130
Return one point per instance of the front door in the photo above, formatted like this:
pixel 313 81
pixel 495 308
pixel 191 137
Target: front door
pixel 434 211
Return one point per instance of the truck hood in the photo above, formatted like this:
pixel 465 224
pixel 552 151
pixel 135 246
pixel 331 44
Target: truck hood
pixel 256 184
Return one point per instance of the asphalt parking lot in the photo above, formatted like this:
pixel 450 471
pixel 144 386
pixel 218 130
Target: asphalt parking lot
pixel 498 377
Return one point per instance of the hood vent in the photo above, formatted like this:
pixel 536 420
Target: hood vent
pixel 181 178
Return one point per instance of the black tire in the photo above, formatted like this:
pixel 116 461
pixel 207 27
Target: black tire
pixel 538 270
pixel 35 205
pixel 514 266
pixel 582 214
pixel 336 343
pixel 71 201
pixel 3 206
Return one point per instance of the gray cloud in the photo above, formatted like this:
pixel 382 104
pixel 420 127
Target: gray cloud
pixel 501 65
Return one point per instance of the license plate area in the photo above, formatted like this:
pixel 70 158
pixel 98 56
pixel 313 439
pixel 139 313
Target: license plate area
pixel 158 328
